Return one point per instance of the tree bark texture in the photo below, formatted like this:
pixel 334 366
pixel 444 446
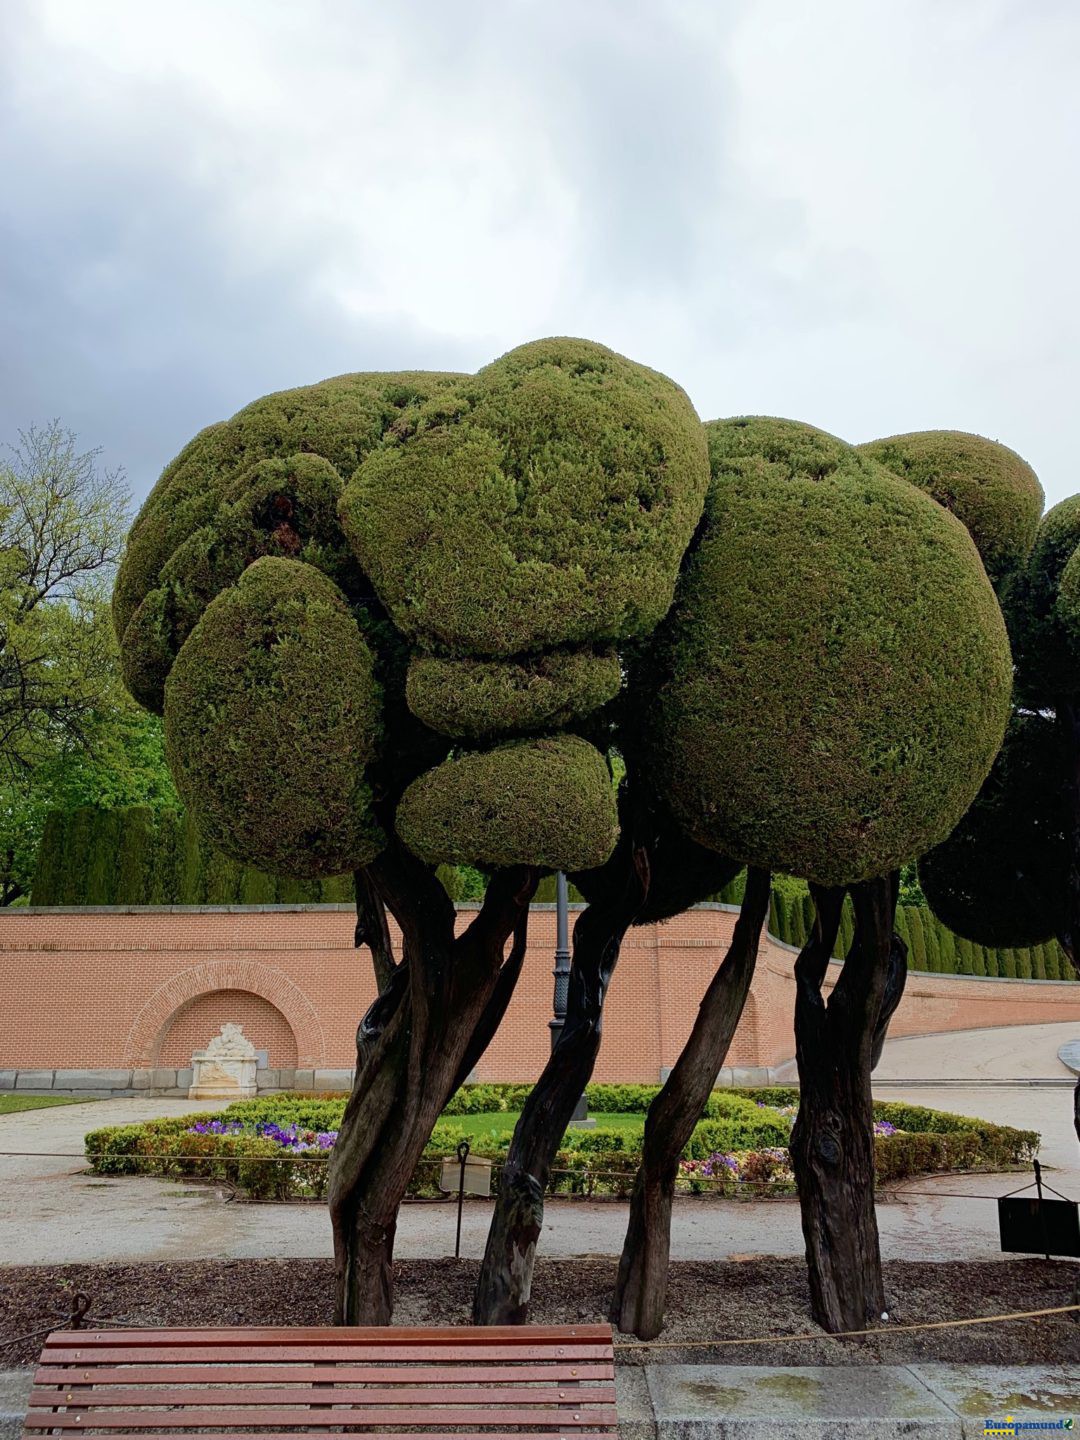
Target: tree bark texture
pixel 372 929
pixel 832 1143
pixel 505 1281
pixel 895 982
pixel 641 1286
pixel 419 1039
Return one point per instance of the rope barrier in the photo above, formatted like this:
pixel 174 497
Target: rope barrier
pixel 876 1330
pixel 844 1334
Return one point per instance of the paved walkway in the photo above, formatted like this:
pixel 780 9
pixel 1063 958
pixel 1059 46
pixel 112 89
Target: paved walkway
pixel 51 1210
pixel 1018 1053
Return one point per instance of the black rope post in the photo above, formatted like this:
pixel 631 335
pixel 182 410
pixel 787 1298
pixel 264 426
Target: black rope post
pixel 1039 1192
pixel 462 1155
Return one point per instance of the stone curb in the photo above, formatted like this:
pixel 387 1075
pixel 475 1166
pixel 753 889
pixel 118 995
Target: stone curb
pixel 763 1402
pixel 15 1388
pixel 853 1402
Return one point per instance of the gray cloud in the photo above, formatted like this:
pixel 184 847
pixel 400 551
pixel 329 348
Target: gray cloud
pixel 862 216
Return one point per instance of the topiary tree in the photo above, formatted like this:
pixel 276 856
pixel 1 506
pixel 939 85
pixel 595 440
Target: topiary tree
pixel 785 733
pixel 1001 877
pixel 379 615
pixel 985 485
pixel 396 622
pixel 1008 876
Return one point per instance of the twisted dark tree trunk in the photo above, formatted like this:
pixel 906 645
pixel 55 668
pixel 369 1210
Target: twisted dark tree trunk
pixel 372 928
pixel 505 1282
pixel 832 1143
pixel 641 1287
pixel 895 982
pixel 415 1044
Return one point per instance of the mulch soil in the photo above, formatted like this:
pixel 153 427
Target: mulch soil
pixel 707 1300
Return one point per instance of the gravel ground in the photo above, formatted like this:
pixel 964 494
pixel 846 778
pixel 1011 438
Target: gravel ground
pixel 759 1296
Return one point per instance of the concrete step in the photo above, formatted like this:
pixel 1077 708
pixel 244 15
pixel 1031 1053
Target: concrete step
pixel 855 1402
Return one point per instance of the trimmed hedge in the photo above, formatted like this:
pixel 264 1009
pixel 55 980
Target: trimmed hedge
pixel 160 860
pixel 932 946
pixel 599 1160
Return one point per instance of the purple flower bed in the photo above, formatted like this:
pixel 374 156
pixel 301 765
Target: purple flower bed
pixel 290 1137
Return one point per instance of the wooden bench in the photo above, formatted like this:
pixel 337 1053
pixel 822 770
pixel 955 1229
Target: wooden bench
pixel 486 1381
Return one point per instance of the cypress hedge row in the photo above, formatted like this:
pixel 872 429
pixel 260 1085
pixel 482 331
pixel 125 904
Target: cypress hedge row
pixel 931 946
pixel 136 857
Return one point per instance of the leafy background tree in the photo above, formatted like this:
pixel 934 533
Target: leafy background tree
pixel 69 734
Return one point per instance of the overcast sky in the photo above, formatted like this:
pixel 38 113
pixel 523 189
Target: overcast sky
pixel 858 214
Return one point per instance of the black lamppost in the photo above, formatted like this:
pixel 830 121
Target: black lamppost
pixel 562 978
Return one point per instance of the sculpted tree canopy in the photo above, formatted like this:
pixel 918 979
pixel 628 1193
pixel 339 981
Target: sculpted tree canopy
pixel 381 616
pixel 987 486
pixel 1001 876
pixel 1009 874
pixel 399 620
pixel 272 714
pixel 827 695
pixel 834 681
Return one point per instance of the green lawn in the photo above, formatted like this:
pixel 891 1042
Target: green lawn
pixel 503 1122
pixel 9 1103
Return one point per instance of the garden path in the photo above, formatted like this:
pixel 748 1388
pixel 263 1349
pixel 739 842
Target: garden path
pixel 51 1211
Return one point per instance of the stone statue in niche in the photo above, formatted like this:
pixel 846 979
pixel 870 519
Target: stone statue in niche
pixel 225 1069
pixel 231 1042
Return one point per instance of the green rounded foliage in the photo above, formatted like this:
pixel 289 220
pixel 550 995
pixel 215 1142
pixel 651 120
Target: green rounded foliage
pixel 478 698
pixel 282 507
pixel 339 419
pixel 985 485
pixel 1045 609
pixel 1001 877
pixel 271 714
pixel 834 680
pixel 547 500
pixel 546 802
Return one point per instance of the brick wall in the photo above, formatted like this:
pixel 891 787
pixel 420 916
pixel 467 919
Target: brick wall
pixel 138 988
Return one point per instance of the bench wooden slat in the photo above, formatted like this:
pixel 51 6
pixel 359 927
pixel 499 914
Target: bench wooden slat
pixel 119 1353
pixel 424 1415
pixel 250 1373
pixel 263 1335
pixel 267 1382
pixel 230 1394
